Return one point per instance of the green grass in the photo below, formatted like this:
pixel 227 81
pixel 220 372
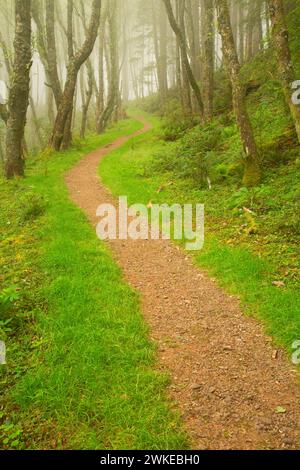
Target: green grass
pixel 81 369
pixel 246 265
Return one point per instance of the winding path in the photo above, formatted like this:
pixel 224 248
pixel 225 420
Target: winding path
pixel 226 379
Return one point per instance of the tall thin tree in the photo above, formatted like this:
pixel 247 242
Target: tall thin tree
pixel 252 171
pixel 184 50
pixel 208 69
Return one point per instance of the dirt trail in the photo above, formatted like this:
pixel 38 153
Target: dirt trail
pixel 226 379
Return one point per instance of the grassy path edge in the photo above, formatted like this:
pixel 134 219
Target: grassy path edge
pixel 87 378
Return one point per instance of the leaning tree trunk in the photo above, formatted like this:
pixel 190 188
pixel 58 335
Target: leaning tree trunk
pixel 19 91
pixel 113 95
pixel 86 100
pixel 252 167
pixel 285 65
pixel 208 69
pixel 186 89
pixel 46 44
pixel 72 72
pixel 184 51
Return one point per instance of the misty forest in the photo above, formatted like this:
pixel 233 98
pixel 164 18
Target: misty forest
pixel 111 343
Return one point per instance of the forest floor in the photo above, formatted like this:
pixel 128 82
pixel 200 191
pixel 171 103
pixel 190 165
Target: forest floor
pixel 234 390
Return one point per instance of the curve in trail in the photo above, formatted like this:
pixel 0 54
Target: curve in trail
pixel 225 377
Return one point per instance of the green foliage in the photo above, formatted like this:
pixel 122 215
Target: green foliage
pixel 294 34
pixel 222 93
pixel 239 199
pixel 196 153
pixel 202 154
pixel 175 124
pixel 31 206
pixel 7 297
pixel 151 104
pixel 215 151
pixel 11 436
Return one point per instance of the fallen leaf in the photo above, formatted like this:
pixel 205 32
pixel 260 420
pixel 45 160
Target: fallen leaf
pixel 278 283
pixel 161 188
pixel 280 410
pixel 196 387
pixel 245 209
pixel 275 354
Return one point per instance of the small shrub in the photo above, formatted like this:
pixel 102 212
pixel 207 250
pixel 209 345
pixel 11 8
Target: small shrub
pixel 196 153
pixel 11 436
pixel 31 206
pixel 239 199
pixel 175 124
pixel 7 298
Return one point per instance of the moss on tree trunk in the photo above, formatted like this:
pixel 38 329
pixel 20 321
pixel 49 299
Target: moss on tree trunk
pixel 19 91
pixel 252 171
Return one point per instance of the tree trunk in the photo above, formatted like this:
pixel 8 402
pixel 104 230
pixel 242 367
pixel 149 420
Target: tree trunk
pixel 208 70
pixel 3 113
pixel 285 66
pixel 197 46
pixel 86 100
pixel 36 122
pixel 249 30
pixel 160 50
pixel 252 167
pixel 72 73
pixel 114 71
pixel 258 32
pixel 19 90
pixel 100 96
pixel 183 46
pixel 163 52
pixel 52 71
pixel 178 61
pixel 186 88
pixel 67 137
pixel 50 107
pixel 187 26
pixel 241 42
